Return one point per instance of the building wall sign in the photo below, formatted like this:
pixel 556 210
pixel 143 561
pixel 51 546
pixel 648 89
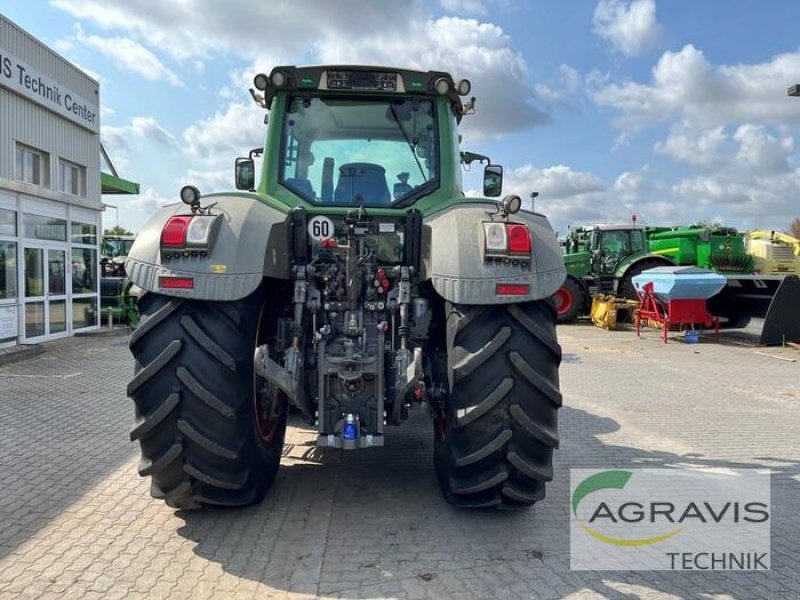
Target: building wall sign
pixel 23 79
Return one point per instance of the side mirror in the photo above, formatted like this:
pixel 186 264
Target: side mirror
pixel 492 181
pixel 245 174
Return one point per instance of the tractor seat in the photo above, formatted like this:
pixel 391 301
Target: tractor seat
pixel 362 182
pixel 300 186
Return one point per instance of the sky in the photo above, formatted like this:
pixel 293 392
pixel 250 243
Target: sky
pixel 673 110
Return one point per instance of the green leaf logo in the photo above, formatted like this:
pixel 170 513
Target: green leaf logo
pixel 599 481
pixel 615 480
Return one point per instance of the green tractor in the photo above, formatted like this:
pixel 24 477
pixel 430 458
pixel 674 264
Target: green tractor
pixel 605 258
pixel 354 282
pixel 602 259
pixel 116 303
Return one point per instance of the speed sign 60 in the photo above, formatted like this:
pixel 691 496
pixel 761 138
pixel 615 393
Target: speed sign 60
pixel 320 227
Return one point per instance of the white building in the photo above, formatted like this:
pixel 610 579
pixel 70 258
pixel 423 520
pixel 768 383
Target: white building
pixel 50 192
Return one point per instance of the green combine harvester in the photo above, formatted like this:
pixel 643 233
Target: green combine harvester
pixel 604 259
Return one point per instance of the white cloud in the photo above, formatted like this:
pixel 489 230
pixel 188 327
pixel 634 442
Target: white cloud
pixel 752 149
pixel 689 146
pixel 122 142
pixel 130 55
pixel 146 128
pixel 566 196
pixel 135 210
pixel 211 180
pixel 631 186
pixel 558 181
pixel 481 52
pixel 570 78
pixel 760 152
pixel 547 93
pixel 227 134
pixel 326 32
pixel 751 180
pixel 630 26
pixel 686 85
pixel 754 201
pixel 736 193
pixel 474 7
pixel 564 91
pixel 193 29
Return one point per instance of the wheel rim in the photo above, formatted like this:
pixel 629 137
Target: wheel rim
pixel 266 423
pixel 564 301
pixel 266 418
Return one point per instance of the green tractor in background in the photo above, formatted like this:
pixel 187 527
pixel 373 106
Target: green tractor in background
pixel 355 282
pixel 116 303
pixel 605 258
pixel 602 260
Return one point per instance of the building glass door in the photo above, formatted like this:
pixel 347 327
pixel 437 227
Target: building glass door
pixel 45 292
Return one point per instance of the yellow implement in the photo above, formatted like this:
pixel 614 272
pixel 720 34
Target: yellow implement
pixel 774 252
pixel 605 309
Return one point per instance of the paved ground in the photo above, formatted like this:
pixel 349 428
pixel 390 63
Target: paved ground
pixel 77 522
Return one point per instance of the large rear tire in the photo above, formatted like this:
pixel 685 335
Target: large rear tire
pixel 197 399
pixel 494 445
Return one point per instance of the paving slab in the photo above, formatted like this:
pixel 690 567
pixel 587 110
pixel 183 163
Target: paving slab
pixel 76 521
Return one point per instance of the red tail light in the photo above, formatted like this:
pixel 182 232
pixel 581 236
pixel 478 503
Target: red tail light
pixel 174 233
pixel 176 283
pixel 519 238
pixel 511 289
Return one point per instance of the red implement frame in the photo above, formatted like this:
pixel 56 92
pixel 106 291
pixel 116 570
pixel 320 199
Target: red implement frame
pixel 673 313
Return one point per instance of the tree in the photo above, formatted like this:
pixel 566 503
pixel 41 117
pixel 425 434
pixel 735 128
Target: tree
pixel 117 230
pixel 794 228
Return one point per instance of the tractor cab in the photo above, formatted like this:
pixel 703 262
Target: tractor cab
pixel 359 137
pixel 611 244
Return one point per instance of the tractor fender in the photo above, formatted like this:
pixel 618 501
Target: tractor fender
pixel 626 265
pixel 251 243
pixel 454 258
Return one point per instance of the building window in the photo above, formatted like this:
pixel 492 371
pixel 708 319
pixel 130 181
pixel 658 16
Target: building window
pixel 71 178
pixel 84 312
pixel 85 276
pixel 8 270
pixel 33 166
pixel 84 271
pixel 84 233
pixel 8 222
pixel 38 227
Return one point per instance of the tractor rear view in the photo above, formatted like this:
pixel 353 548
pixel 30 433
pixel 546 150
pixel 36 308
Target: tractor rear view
pixel 355 283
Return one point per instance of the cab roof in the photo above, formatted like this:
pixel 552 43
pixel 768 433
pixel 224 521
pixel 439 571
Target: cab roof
pixel 357 80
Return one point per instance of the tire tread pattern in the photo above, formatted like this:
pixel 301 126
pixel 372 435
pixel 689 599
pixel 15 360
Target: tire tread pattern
pixel 193 386
pixel 501 410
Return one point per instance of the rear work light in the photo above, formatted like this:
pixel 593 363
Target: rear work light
pixel 190 231
pixel 504 239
